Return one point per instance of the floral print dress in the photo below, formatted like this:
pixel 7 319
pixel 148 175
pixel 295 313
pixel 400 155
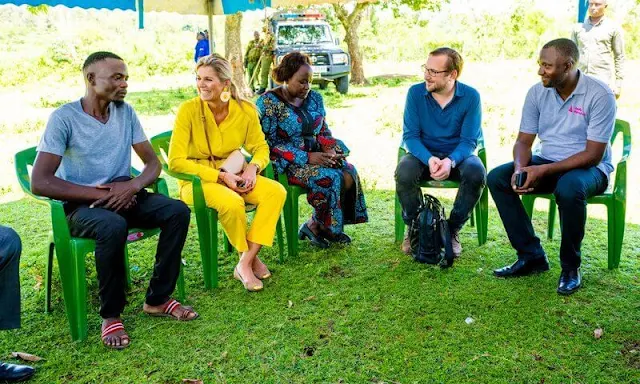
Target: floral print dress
pixel 292 132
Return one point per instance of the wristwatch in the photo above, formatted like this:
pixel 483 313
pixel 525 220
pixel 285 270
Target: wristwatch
pixel 453 163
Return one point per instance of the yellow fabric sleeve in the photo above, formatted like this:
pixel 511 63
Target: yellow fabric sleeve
pixel 186 118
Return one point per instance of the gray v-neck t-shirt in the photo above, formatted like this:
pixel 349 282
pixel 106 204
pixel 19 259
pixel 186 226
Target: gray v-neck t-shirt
pixel 92 152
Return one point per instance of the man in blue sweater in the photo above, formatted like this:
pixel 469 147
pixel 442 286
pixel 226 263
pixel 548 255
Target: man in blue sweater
pixel 441 128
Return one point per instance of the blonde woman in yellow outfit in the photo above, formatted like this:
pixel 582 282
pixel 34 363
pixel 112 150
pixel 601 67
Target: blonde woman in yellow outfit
pixel 207 130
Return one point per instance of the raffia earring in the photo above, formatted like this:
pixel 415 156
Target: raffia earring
pixel 225 95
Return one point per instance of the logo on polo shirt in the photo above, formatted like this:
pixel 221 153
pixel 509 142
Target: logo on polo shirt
pixel 577 111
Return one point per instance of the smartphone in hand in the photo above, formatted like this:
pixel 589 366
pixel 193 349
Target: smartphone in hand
pixel 521 178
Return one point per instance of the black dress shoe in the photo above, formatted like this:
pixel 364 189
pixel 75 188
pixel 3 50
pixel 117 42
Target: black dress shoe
pixel 318 241
pixel 12 373
pixel 341 238
pixel 524 267
pixel 570 281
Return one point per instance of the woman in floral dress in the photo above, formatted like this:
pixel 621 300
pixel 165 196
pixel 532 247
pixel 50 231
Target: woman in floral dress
pixel 302 147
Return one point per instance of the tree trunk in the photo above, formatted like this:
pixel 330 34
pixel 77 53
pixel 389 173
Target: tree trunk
pixel 233 50
pixel 351 24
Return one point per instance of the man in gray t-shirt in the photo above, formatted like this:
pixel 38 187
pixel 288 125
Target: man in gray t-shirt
pixel 84 159
pixel 573 115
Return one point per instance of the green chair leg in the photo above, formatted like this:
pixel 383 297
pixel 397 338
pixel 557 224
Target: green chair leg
pixel 482 217
pixel 181 294
pixel 528 202
pixel 210 255
pixel 611 235
pixel 291 221
pixel 553 208
pixel 286 211
pixel 47 295
pixel 227 244
pixel 280 240
pixel 127 268
pixel 74 287
pixel 295 223
pixel 619 220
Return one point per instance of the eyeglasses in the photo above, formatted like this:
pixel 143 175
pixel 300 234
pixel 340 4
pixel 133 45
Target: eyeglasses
pixel 432 72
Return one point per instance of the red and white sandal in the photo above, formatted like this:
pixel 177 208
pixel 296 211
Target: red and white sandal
pixel 170 307
pixel 112 328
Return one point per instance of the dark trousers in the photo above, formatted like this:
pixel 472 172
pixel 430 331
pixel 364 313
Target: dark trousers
pixel 10 249
pixel 110 231
pixel 571 190
pixel 470 173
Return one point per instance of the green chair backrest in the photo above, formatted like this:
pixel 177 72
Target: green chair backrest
pixel 623 127
pixel 24 161
pixel 160 144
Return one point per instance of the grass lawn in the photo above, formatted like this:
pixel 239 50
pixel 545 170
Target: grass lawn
pixel 359 314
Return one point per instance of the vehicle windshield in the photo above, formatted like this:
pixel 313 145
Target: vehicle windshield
pixel 303 34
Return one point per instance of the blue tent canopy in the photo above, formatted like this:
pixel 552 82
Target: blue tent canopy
pixel 228 6
pixel 234 6
pixel 127 5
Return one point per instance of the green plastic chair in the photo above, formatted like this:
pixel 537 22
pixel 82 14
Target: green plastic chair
pixel 614 198
pixel 207 218
pixel 71 251
pixel 481 209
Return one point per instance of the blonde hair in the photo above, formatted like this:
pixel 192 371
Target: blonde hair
pixel 223 70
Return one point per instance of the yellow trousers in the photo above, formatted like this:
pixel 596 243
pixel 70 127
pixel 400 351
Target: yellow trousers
pixel 268 196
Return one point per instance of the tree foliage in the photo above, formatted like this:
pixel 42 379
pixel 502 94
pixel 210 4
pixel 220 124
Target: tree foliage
pixel 351 23
pixel 41 9
pixel 417 5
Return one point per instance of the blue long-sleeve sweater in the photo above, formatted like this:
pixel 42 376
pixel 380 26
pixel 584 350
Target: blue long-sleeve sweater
pixel 453 130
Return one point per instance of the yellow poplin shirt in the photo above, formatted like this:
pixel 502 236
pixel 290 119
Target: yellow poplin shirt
pixel 188 151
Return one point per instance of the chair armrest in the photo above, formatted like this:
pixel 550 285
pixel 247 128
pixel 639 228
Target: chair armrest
pixel 59 224
pixel 178 175
pixel 401 152
pixel 158 186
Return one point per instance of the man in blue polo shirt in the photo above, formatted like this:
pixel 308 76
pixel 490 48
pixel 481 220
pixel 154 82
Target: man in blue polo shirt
pixel 573 115
pixel 441 128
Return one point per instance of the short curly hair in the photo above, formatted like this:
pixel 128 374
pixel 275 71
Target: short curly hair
pixel 99 56
pixel 289 65
pixel 565 47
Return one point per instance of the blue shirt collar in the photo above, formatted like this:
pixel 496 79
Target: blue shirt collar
pixel 459 90
pixel 581 87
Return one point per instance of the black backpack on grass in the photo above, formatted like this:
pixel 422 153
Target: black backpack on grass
pixel 429 234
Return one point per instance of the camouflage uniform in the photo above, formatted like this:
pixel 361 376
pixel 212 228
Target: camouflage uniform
pixel 268 44
pixel 251 58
